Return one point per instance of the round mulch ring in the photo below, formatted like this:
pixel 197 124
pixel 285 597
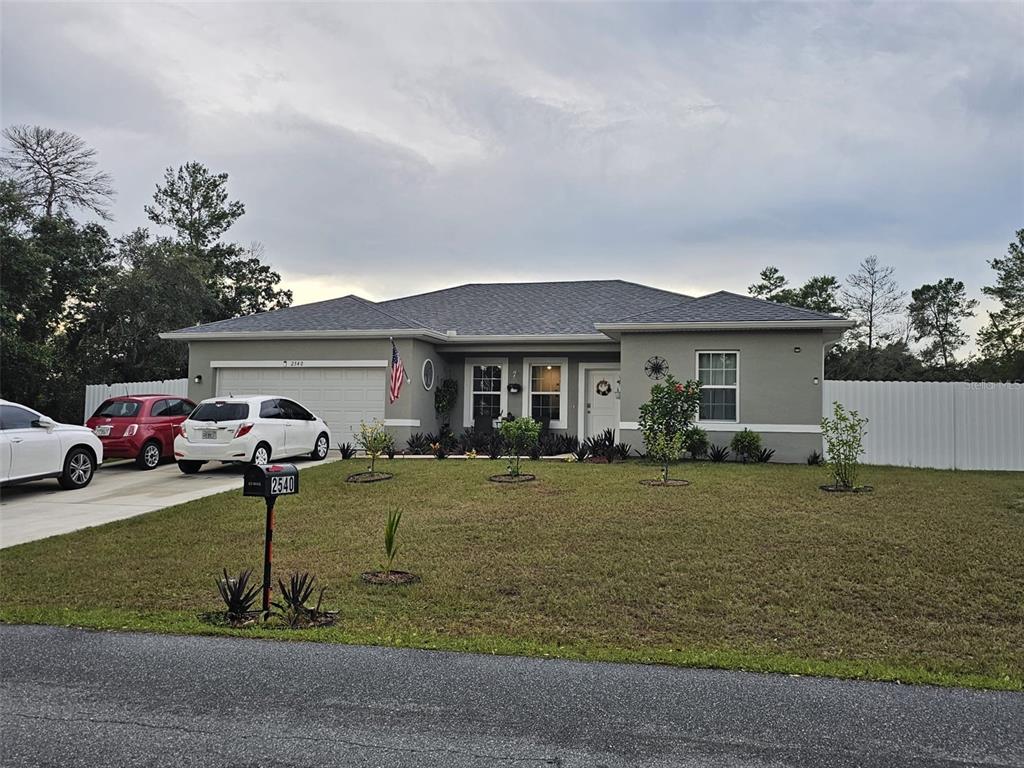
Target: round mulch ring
pixel 512 478
pixel 844 489
pixel 220 619
pixel 663 483
pixel 368 477
pixel 380 578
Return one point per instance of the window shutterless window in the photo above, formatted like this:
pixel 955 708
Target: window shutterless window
pixel 544 397
pixel 718 373
pixel 486 391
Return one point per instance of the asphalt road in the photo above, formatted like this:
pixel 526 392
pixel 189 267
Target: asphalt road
pixel 77 698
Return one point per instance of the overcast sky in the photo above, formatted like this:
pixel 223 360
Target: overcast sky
pixel 391 149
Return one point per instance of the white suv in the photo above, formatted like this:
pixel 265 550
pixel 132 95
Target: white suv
pixel 33 446
pixel 244 429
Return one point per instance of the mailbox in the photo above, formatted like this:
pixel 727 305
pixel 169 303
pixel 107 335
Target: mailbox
pixel 270 480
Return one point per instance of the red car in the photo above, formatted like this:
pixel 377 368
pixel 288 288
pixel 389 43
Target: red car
pixel 140 427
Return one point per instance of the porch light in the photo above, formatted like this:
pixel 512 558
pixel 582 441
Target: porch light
pixel 796 350
pixel 198 378
pixel 816 381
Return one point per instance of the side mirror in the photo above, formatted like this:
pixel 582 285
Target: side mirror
pixel 44 422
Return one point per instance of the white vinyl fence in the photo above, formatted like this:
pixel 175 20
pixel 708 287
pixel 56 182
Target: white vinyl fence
pixel 97 393
pixel 946 425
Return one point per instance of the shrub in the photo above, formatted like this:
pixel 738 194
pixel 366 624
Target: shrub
pixel 746 445
pixel 765 455
pixel 347 450
pixel 391 539
pixel 495 446
pixel 418 444
pixel 696 442
pixel 237 595
pixel 623 450
pixel 718 453
pixel 438 450
pixel 582 451
pixel 389 448
pixel 665 419
pixel 292 608
pixel 603 445
pixel 844 444
pixel 373 439
pixel 815 459
pixel 445 395
pixel 520 435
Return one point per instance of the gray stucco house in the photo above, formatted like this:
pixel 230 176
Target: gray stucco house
pixel 577 355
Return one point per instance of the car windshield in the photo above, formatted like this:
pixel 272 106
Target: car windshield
pixel 115 409
pixel 220 411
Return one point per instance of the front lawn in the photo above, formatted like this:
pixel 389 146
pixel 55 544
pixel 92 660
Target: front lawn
pixel 749 567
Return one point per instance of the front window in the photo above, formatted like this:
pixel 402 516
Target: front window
pixel 546 393
pixel 486 391
pixel 717 373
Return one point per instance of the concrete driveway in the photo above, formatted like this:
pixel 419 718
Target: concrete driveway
pixel 119 490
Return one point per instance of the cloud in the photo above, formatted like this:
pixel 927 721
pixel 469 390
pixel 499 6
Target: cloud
pixel 404 147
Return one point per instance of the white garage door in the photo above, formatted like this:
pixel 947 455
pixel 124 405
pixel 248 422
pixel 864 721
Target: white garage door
pixel 340 396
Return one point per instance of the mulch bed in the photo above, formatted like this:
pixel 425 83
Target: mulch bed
pixel 597 460
pixel 524 478
pixel 663 483
pixel 368 477
pixel 844 489
pixel 395 578
pixel 254 618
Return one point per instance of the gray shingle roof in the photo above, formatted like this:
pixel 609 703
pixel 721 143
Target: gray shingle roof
pixel 529 308
pixel 724 307
pixel 350 313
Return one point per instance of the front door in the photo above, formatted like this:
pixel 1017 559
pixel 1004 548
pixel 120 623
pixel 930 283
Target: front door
pixel 601 399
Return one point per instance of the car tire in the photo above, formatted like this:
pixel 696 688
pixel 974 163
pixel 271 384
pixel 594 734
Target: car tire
pixel 190 467
pixel 320 448
pixel 79 467
pixel 149 455
pixel 261 454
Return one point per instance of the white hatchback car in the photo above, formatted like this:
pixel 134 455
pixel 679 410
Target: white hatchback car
pixel 253 429
pixel 34 446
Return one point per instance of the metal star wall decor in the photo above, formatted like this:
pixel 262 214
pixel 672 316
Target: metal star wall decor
pixel 656 367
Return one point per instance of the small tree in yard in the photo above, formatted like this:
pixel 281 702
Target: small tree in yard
pixel 666 418
pixel 844 443
pixel 520 435
pixel 373 439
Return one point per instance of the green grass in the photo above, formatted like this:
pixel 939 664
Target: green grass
pixel 749 567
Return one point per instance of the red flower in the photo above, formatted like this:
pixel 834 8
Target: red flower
pixel 679 387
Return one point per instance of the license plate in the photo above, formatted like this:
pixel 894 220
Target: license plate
pixel 208 434
pixel 103 431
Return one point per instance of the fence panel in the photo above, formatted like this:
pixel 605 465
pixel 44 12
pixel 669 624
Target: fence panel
pixel 97 393
pixel 945 425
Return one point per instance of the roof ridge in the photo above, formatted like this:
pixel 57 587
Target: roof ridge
pixel 375 306
pixel 748 297
pixel 656 309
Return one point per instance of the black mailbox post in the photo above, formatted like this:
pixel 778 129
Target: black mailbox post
pixel 269 481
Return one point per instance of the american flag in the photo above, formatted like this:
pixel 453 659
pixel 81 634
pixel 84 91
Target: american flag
pixel 397 373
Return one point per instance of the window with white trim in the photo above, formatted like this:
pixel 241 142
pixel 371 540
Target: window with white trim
pixel 718 374
pixel 546 381
pixel 486 392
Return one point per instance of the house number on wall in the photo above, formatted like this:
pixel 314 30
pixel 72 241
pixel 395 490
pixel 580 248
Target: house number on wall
pixel 294 363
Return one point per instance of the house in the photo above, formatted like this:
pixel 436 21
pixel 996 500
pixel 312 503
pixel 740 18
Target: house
pixel 580 356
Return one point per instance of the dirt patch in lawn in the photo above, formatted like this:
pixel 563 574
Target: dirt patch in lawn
pixel 393 578
pixel 512 478
pixel 844 489
pixel 663 483
pixel 368 477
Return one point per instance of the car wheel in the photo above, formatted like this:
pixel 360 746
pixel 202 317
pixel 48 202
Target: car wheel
pixel 79 467
pixel 261 454
pixel 190 467
pixel 320 449
pixel 149 456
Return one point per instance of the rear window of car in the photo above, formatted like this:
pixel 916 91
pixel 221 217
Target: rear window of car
pixel 220 411
pixel 114 409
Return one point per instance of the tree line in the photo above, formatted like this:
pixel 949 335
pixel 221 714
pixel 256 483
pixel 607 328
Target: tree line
pixel 79 305
pixel 890 324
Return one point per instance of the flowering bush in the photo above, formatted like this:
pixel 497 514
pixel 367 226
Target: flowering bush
pixel 373 439
pixel 666 418
pixel 844 444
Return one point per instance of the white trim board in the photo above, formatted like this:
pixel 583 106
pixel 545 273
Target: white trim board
pixel 299 363
pixel 731 426
pixel 401 422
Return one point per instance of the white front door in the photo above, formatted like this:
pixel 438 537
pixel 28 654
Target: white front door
pixel 601 400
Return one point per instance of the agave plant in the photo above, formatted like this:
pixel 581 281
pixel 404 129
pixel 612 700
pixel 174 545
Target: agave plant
pixel 495 446
pixel 623 450
pixel 237 595
pixel 718 453
pixel 293 608
pixel 391 538
pixel 582 451
pixel 347 450
pixel 765 455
